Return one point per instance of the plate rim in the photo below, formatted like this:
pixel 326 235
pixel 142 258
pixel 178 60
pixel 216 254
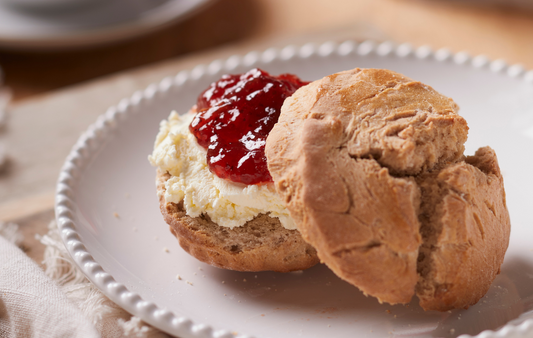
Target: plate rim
pixel 100 36
pixel 88 142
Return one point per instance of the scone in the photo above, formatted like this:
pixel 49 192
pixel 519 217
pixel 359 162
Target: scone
pixel 370 164
pixel 223 207
pixel 261 244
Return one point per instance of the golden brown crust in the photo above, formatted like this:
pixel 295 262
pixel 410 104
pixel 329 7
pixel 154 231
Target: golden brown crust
pixel 262 244
pixel 466 232
pixel 345 156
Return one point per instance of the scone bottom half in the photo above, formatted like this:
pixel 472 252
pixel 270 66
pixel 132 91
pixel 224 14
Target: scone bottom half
pixel 262 244
pixel 370 164
pixel 222 139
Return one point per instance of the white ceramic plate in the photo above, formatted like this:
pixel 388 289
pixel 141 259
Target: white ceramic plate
pixel 91 23
pixel 109 217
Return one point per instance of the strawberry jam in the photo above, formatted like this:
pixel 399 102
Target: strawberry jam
pixel 235 115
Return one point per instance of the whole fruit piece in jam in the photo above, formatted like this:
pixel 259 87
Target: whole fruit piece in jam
pixel 235 116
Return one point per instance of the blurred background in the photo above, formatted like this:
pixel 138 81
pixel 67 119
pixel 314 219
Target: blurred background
pixel 37 57
pixel 65 61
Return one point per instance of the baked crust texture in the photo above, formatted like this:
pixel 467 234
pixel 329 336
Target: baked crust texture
pixel 370 165
pixel 262 244
pixel 466 229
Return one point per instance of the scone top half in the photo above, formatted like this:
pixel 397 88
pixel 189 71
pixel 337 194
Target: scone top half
pixel 370 165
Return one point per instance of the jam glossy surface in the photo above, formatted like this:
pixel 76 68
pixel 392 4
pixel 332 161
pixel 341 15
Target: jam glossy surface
pixel 235 116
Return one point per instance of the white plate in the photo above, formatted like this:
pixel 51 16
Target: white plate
pixel 93 23
pixel 109 215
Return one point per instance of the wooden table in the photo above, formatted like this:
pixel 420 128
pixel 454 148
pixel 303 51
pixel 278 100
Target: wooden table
pixel 56 97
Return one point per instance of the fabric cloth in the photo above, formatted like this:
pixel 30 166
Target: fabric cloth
pixel 59 301
pixel 31 304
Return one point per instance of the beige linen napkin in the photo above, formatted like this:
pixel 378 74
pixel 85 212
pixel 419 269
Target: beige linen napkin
pixel 57 302
pixel 31 304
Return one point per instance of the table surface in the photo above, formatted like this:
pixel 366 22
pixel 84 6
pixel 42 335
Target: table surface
pixel 58 94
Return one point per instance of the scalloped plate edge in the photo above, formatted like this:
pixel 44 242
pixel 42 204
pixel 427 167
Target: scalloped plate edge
pixel 89 141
